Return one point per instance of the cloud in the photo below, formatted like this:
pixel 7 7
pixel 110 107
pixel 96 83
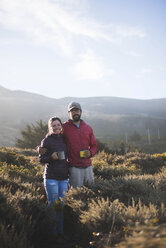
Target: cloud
pixel 90 67
pixel 132 53
pixel 144 71
pixel 60 23
pixel 50 22
pixel 126 31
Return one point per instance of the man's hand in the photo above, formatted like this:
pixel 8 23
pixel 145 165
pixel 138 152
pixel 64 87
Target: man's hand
pixel 87 154
pixel 41 150
pixel 54 156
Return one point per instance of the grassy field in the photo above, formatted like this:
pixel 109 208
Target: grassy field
pixel 125 207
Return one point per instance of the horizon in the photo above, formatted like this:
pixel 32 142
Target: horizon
pixel 29 92
pixel 82 48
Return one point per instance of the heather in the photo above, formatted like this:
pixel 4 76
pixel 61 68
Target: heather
pixel 125 207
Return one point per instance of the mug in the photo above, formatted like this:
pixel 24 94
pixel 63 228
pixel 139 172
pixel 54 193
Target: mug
pixel 82 153
pixel 61 155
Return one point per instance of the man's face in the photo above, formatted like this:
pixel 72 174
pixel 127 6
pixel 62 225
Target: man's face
pixel 75 114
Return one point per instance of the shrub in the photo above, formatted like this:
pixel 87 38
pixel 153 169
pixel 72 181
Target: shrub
pixel 11 157
pixel 103 215
pixel 145 237
pixel 121 202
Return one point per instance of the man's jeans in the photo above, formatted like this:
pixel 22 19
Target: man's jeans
pixel 56 189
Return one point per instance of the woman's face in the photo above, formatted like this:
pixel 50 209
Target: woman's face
pixel 56 127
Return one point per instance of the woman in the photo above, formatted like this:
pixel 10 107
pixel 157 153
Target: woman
pixel 56 171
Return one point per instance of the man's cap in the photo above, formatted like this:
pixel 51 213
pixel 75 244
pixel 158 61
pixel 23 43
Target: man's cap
pixel 73 105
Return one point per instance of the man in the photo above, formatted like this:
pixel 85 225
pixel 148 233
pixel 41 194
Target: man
pixel 81 145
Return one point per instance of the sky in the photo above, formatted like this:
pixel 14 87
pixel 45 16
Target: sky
pixel 84 48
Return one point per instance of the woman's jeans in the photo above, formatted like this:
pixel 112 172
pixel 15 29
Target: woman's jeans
pixel 55 190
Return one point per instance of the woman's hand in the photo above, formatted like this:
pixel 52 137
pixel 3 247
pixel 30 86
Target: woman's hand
pixel 54 156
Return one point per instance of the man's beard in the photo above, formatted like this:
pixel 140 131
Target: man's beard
pixel 76 117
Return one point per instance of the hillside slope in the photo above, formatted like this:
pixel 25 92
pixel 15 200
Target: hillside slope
pixel 109 116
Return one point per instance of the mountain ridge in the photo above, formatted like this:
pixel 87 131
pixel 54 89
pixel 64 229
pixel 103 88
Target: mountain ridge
pixel 2 88
pixel 116 114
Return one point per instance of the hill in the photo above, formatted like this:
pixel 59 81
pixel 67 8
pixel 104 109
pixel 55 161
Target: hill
pixel 111 117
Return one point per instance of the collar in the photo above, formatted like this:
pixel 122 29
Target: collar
pixel 73 123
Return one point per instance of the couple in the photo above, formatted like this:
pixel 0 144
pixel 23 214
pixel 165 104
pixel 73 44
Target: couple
pixel 76 139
